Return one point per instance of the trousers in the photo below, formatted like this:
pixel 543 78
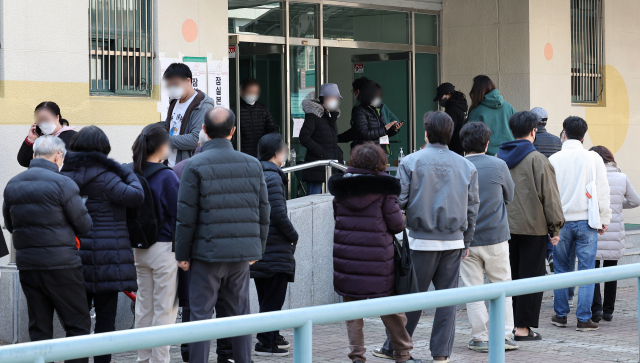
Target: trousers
pixel 106 305
pixel 271 294
pixel 527 255
pixel 607 306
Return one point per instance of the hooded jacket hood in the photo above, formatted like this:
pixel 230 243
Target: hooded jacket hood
pixel 76 165
pixel 358 188
pixel 315 107
pixel 512 152
pixel 493 99
pixel 458 100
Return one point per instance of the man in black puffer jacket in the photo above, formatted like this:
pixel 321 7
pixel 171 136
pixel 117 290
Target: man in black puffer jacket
pixel 45 212
pixel 455 105
pixel 255 118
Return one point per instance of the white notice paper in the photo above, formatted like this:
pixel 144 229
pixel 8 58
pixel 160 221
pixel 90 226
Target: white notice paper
pixel 219 82
pixel 297 126
pixel 384 140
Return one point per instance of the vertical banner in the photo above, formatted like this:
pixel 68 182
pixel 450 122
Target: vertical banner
pixel 219 82
pixel 199 72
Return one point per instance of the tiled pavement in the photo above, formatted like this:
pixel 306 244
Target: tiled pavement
pixel 616 341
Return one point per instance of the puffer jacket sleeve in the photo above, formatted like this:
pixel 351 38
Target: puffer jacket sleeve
pixel 7 217
pixel 473 204
pixel 25 154
pixel 392 214
pixel 127 192
pixel 264 210
pixel 278 203
pixel 308 128
pixel 360 123
pixel 631 198
pixel 74 208
pixel 269 126
pixel 604 192
pixel 187 216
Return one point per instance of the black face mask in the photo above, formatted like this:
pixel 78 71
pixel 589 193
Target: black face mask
pixel 443 102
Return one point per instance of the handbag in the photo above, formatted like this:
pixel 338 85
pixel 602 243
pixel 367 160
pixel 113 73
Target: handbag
pixel 592 194
pixel 406 280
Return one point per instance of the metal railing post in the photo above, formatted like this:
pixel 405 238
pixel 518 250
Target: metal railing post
pixel 496 329
pixel 327 175
pixel 303 341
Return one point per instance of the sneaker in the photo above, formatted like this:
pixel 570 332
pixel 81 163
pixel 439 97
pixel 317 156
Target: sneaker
pixel 282 343
pixel 272 351
pixel 510 344
pixel 225 360
pixel 382 354
pixel 478 346
pixel 596 317
pixel 589 325
pixel 558 321
pixel 550 261
pixel 607 317
pixel 571 302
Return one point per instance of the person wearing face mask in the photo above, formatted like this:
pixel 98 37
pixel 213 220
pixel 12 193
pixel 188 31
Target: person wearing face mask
pixel 255 118
pixel 186 112
pixel 48 121
pixel 368 120
pixel 276 269
pixel 44 211
pixel 455 105
pixel 319 134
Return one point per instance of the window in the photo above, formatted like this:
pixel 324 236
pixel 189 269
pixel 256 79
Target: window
pixel 369 25
pixel 259 17
pixel 121 40
pixel 587 51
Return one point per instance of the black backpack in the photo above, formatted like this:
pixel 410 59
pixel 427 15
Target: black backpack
pixel 142 223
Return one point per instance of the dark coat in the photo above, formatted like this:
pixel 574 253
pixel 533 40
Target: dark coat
pixel 255 122
pixel 223 206
pixel 319 134
pixel 110 188
pixel 368 125
pixel 367 216
pixel 282 239
pixel 457 108
pixel 547 144
pixel 45 212
pixel 25 154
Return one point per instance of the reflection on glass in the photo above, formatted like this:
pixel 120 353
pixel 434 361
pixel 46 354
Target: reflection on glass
pixel 372 25
pixel 254 17
pixel 302 20
pixel 426 29
pixel 426 84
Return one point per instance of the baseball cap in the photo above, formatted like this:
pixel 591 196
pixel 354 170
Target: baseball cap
pixel 444 89
pixel 541 114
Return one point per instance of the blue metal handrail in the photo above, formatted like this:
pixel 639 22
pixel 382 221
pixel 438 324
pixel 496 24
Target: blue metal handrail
pixel 302 319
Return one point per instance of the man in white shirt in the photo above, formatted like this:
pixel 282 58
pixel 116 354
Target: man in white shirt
pixel 575 167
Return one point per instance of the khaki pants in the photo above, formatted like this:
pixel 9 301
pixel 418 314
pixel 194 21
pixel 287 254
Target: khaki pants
pixel 157 300
pixel 395 326
pixel 494 261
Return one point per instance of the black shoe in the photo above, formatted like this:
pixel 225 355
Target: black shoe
pixel 607 317
pixel 272 351
pixel 558 321
pixel 587 326
pixel 224 360
pixel 281 342
pixel 596 317
pixel 550 260
pixel 184 351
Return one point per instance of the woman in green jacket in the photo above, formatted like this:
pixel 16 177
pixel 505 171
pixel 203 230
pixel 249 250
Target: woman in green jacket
pixel 488 106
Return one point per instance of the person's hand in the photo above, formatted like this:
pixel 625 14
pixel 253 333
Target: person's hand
pixel 252 262
pixel 390 124
pixel 555 240
pixel 33 135
pixel 466 253
pixel 399 125
pixel 605 227
pixel 184 265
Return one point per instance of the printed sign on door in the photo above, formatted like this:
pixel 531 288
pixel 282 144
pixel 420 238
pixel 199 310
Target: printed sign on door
pixel 358 67
pixel 232 51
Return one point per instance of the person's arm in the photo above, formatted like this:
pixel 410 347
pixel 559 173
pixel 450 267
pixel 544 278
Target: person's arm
pixel 405 184
pixel 278 202
pixel 264 210
pixel 346 136
pixel 269 126
pixel 360 124
pixel 308 128
pixel 549 196
pixel 7 217
pixel 392 214
pixel 631 198
pixel 74 209
pixel 25 154
pixel 473 204
pixel 508 186
pixel 604 192
pixel 388 118
pixel 126 191
pixel 187 212
pixel 170 202
pixel 189 141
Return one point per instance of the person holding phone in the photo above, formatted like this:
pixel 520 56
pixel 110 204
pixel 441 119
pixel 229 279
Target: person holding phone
pixel 47 121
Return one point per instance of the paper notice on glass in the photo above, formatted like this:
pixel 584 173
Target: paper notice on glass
pixel 297 126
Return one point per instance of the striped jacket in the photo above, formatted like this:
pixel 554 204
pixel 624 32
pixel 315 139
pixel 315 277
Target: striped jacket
pixel 546 143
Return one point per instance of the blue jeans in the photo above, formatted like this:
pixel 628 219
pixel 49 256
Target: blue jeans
pixel 575 238
pixel 314 188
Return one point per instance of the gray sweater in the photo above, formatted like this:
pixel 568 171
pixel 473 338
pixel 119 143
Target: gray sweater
pixel 496 191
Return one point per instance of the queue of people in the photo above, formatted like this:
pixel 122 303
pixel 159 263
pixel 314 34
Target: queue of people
pixel 191 220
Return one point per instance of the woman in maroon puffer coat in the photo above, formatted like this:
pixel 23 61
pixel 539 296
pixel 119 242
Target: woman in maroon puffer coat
pixel 367 216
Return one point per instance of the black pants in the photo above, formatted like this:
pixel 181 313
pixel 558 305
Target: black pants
pixel 271 294
pixel 609 292
pixel 106 305
pixel 60 290
pixel 527 255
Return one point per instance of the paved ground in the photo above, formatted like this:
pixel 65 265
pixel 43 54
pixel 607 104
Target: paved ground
pixel 616 341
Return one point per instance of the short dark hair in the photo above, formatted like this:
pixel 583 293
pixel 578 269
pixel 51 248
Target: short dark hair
pixel 521 124
pixel 219 125
pixel 177 70
pixel 359 83
pixel 605 154
pixel 89 139
pixel 474 137
pixel 368 92
pixel 269 145
pixel 247 82
pixel 368 156
pixel 575 127
pixel 439 127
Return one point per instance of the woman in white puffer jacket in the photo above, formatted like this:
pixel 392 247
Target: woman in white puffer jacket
pixel 611 244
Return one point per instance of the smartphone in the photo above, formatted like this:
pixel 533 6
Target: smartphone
pixel 38 131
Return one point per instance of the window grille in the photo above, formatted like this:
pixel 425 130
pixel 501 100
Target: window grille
pixel 121 46
pixel 587 51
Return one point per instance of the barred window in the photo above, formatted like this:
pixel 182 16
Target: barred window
pixel 120 46
pixel 587 51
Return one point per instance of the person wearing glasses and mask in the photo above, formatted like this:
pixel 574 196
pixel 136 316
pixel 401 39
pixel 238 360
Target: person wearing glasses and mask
pixel 255 118
pixel 319 134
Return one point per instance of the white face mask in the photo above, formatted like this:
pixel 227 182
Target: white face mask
pixel 250 99
pixel 376 102
pixel 332 105
pixel 175 92
pixel 47 128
